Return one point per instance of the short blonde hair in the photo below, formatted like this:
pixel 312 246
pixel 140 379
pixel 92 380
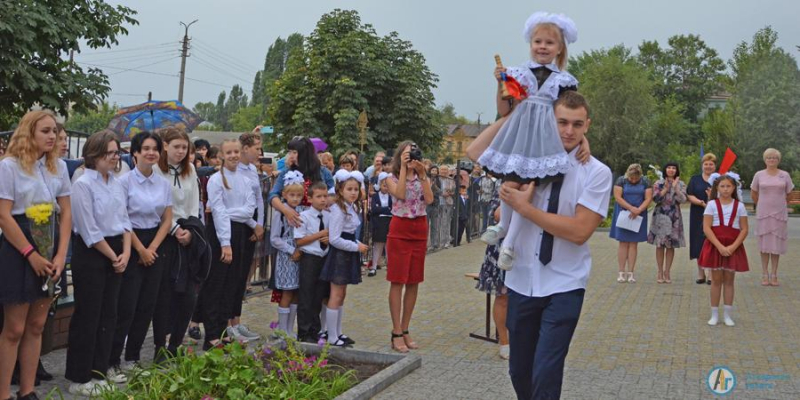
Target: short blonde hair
pixel 710 157
pixel 633 169
pixel 772 152
pixel 293 188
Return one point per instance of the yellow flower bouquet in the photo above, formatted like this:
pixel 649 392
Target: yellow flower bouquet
pixel 42 224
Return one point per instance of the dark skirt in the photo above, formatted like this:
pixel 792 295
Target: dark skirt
pixel 19 284
pixel 342 267
pixel 380 228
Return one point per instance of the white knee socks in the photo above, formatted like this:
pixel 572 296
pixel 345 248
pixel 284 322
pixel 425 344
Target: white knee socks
pixel 323 317
pixel 292 318
pixel 283 319
pixel 726 313
pixel 332 322
pixel 339 321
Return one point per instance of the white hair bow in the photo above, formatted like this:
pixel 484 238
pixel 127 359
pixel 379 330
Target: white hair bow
pixel 713 177
pixel 343 175
pixel 657 171
pixel 567 25
pixel 293 178
pixel 382 176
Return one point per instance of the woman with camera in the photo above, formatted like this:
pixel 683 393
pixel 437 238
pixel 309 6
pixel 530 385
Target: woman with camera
pixel 407 241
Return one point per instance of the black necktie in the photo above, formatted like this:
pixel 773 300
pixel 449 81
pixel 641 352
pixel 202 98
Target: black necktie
pixel 322 246
pixel 546 249
pixel 176 173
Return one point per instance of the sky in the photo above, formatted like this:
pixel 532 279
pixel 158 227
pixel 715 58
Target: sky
pixel 457 38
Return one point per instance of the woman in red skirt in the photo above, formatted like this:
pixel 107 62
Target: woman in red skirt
pixel 725 227
pixel 407 241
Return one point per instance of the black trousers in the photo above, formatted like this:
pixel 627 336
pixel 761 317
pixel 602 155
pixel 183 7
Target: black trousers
pixel 312 290
pixel 222 293
pixel 137 300
pixel 462 225
pixel 91 330
pixel 173 309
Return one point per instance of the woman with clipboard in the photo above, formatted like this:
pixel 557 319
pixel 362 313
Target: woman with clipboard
pixel 632 194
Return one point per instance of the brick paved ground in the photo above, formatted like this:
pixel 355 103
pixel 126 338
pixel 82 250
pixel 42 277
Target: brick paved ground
pixel 634 341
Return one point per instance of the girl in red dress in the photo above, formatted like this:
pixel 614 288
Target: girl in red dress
pixel 725 227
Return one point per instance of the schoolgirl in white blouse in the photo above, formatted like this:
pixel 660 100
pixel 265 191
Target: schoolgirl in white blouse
pixel 30 173
pixel 233 204
pixel 100 253
pixel 149 204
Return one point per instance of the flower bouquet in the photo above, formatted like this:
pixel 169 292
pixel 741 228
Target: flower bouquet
pixel 41 220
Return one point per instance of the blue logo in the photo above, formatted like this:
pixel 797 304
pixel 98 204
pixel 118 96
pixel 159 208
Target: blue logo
pixel 721 380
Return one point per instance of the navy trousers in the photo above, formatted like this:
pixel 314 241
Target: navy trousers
pixel 540 330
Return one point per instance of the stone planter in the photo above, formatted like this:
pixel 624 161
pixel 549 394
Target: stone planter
pixel 398 367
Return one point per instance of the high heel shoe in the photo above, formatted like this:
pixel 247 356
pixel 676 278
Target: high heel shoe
pixel 409 343
pixel 401 348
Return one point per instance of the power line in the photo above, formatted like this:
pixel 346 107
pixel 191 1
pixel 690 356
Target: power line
pixel 140 48
pixel 144 65
pixel 209 83
pixel 223 60
pixel 227 55
pixel 127 69
pixel 125 59
pixel 221 71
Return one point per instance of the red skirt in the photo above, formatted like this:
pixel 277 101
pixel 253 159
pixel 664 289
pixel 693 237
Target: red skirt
pixel 712 259
pixel 406 246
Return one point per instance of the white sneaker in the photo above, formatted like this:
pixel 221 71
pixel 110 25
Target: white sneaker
pixel 506 259
pixel 114 374
pixel 505 351
pixel 234 334
pixel 92 388
pixel 493 234
pixel 728 321
pixel 713 321
pixel 242 329
pixel 126 366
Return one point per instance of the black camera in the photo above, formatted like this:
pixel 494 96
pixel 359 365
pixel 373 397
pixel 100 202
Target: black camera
pixel 415 153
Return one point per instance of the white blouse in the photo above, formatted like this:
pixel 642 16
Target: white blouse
pixel 727 209
pixel 39 187
pixel 251 173
pixel 147 198
pixel 341 223
pixel 98 208
pixel 310 226
pixel 236 204
pixel 278 242
pixel 185 193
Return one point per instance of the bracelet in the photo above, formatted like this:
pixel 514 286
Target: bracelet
pixel 26 251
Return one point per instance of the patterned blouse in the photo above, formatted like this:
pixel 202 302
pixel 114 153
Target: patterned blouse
pixel 414 204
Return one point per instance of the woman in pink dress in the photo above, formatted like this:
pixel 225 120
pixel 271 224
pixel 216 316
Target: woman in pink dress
pixel 770 190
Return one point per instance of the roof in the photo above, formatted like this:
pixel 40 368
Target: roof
pixel 470 130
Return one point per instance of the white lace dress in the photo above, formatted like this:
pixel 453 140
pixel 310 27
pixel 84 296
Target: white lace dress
pixel 528 145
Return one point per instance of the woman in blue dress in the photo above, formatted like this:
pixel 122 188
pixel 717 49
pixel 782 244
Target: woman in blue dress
pixel 632 193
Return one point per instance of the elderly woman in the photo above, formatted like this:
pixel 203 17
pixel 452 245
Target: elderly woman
pixel 697 194
pixel 666 230
pixel 770 190
pixel 633 194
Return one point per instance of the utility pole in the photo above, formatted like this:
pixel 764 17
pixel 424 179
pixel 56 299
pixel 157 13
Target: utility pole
pixel 184 54
pixel 479 118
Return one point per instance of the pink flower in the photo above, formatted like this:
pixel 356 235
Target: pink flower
pixel 323 363
pixel 207 397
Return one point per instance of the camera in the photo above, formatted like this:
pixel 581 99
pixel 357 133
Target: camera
pixel 415 153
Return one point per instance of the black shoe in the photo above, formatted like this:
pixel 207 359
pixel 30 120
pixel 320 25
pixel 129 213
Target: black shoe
pixel 347 341
pixel 324 336
pixel 372 273
pixel 29 396
pixel 700 281
pixel 194 333
pixel 708 282
pixel 42 374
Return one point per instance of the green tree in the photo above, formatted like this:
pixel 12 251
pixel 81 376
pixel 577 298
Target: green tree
pixel 92 120
pixel 687 70
pixel 345 67
pixel 275 64
pixel 246 118
pixel 449 116
pixel 766 97
pixel 206 110
pixel 619 91
pixel 35 38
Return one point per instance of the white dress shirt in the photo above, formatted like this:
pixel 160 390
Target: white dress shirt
pixel 147 196
pixel 98 208
pixel 185 193
pixel 251 173
pixel 588 185
pixel 279 226
pixel 341 222
pixel 310 226
pixel 236 204
pixel 40 186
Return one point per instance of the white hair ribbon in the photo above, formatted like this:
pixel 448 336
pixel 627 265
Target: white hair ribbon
pixel 343 175
pixel 293 178
pixel 565 23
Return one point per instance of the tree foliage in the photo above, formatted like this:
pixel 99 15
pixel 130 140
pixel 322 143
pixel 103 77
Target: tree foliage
pixel 36 37
pixel 221 114
pixel 91 121
pixel 344 67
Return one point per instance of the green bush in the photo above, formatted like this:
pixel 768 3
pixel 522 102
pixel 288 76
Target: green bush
pixel 236 373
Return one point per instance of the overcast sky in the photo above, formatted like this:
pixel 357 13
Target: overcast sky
pixel 458 38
